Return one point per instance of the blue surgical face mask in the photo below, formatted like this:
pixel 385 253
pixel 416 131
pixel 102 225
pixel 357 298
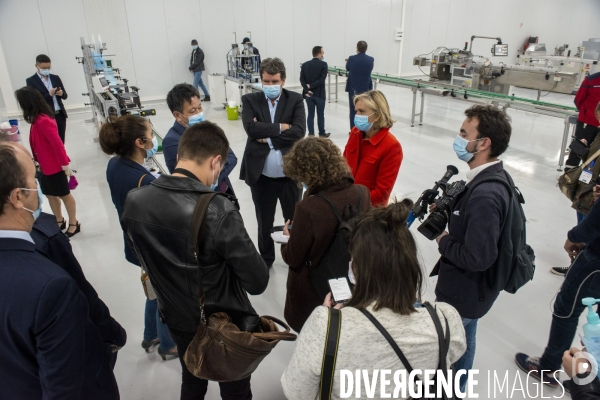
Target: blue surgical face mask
pixel 271 91
pixel 460 148
pixel 214 185
pixel 195 119
pixel 362 122
pixel 151 152
pixel 44 72
pixel 194 47
pixel 38 211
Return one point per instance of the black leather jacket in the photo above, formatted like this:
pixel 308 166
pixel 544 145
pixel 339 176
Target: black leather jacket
pixel 591 391
pixel 157 219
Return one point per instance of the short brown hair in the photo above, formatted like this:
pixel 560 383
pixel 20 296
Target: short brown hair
pixel 201 141
pixel 384 260
pixel 493 124
pixel 361 46
pixel 12 173
pixel 376 101
pixel 317 50
pixel 118 135
pixel 315 162
pixel 272 66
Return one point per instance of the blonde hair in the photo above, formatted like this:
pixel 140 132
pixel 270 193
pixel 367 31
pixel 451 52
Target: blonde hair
pixel 377 102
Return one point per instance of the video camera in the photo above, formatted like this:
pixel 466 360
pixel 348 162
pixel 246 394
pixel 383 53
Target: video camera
pixel 435 224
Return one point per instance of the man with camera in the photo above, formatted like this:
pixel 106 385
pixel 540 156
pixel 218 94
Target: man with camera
pixel 470 246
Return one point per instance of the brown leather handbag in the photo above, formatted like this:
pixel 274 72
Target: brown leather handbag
pixel 220 351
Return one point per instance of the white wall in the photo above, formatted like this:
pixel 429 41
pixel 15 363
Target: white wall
pixel 151 38
pixel 451 23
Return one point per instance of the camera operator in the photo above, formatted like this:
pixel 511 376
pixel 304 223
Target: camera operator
pixel 471 245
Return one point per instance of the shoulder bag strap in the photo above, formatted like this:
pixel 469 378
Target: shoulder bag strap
pixel 442 339
pixel 590 159
pixel 332 340
pixel 140 181
pixel 198 222
pixel 333 207
pixel 387 336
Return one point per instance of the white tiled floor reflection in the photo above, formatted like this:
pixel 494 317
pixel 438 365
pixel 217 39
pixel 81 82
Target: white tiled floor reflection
pixel 517 322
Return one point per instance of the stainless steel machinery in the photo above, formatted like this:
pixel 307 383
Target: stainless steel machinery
pixel 107 96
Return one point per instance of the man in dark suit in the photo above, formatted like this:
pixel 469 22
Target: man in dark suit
pixel 184 102
pixel 313 74
pixel 50 348
pixel 51 87
pixel 274 120
pixel 359 69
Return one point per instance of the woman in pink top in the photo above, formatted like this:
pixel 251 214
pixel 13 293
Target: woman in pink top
pixel 49 151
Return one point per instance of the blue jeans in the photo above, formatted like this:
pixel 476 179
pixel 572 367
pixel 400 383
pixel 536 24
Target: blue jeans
pixel 580 217
pixel 568 303
pixel 318 103
pixel 466 361
pixel 198 84
pixel 153 327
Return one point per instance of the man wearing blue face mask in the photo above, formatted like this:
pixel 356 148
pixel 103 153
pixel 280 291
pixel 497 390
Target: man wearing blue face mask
pixel 470 247
pixel 274 120
pixel 50 349
pixel 184 102
pixel 51 87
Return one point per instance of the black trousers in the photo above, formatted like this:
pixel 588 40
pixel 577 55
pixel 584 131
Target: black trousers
pixel 265 193
pixel 61 122
pixel 193 388
pixel 582 131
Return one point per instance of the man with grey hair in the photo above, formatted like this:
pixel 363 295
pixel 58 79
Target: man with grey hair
pixel 274 120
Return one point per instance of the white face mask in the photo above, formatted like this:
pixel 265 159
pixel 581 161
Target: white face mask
pixel 351 276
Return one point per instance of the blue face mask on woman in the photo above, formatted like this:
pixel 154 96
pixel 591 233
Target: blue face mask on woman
pixel 195 119
pixel 460 148
pixel 362 122
pixel 38 211
pixel 151 152
pixel 271 91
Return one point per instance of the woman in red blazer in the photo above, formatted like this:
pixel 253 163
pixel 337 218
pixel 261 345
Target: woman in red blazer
pixel 373 152
pixel 49 151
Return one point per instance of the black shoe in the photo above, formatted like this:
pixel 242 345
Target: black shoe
pixel 62 225
pixel 75 232
pixel 325 135
pixel 561 271
pixel 164 353
pixel 147 344
pixel 207 98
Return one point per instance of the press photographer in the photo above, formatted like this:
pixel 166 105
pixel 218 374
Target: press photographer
pixel 470 246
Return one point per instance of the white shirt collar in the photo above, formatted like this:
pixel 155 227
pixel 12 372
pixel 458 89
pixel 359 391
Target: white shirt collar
pixel 475 171
pixel 4 234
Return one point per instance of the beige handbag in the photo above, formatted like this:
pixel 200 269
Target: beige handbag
pixel 148 289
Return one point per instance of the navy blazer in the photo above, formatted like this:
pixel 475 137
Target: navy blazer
pixel 359 67
pixel 314 73
pixel 123 175
pixel 171 146
pixel 55 244
pixel 36 82
pixel 290 110
pixel 50 348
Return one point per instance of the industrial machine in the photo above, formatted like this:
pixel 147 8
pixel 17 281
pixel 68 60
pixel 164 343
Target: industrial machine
pixel 583 63
pixel 464 69
pixel 107 96
pixel 242 75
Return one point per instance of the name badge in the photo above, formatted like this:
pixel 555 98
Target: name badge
pixel 586 176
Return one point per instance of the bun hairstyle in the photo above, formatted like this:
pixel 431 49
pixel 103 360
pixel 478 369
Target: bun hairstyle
pixel 118 135
pixel 384 260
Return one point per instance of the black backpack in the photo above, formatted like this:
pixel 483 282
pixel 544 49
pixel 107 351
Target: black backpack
pixel 336 261
pixel 515 264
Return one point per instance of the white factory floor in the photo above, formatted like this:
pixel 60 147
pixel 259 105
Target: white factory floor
pixel 516 323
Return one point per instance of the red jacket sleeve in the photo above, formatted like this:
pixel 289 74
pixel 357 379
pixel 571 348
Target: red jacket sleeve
pixel 388 172
pixel 51 142
pixel 582 94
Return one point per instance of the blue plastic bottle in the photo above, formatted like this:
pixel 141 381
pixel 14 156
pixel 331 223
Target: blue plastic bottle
pixel 591 330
